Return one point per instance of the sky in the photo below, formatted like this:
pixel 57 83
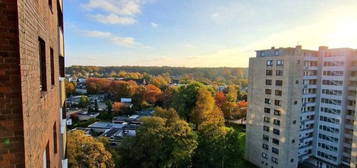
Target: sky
pixel 200 33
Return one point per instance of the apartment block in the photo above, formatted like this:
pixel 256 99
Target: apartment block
pixel 302 108
pixel 32 129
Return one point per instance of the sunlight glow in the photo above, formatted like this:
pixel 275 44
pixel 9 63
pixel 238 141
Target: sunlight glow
pixel 344 33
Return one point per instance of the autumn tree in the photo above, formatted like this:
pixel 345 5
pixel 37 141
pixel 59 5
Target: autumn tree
pixel 108 146
pixel 232 93
pixel 160 142
pixel 121 89
pixel 152 93
pixel 86 151
pixel 166 98
pixel 70 88
pixel 97 85
pixel 205 109
pixel 220 99
pixel 160 81
pixel 117 107
pixel 138 97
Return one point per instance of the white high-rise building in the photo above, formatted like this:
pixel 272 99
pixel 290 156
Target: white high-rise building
pixel 302 108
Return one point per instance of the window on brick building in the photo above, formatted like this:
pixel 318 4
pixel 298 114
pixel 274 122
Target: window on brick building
pixel 52 66
pixel 61 65
pixel 55 138
pixel 46 157
pixel 50 4
pixel 59 15
pixel 42 55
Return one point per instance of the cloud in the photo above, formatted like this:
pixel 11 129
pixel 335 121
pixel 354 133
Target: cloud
pixel 114 11
pixel 154 25
pixel 117 40
pixel 113 19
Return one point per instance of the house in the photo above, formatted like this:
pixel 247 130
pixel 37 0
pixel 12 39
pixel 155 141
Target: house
pixel 101 127
pixel 86 116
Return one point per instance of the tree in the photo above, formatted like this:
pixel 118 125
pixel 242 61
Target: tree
pixel 205 109
pixel 220 99
pixel 96 106
pixel 229 109
pixel 138 97
pixel 121 89
pixel 109 104
pixel 117 107
pixel 86 151
pixel 83 101
pixel 169 114
pixel 160 142
pixel 97 85
pixel 166 98
pixel 113 151
pixel 232 93
pixel 152 93
pixel 210 151
pixel 160 81
pixel 232 152
pixel 184 99
pixel 243 96
pixel 70 88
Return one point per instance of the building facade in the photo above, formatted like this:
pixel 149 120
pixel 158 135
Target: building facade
pixel 302 107
pixel 31 84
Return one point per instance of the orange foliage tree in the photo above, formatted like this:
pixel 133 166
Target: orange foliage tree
pixel 220 98
pixel 98 85
pixel 120 89
pixel 152 93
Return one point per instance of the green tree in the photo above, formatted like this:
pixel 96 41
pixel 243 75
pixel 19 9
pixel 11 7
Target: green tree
pixel 86 152
pixel 83 101
pixel 111 149
pixel 184 99
pixel 109 104
pixel 232 156
pixel 161 142
pixel 210 151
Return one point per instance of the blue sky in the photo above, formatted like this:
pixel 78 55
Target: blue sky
pixel 203 33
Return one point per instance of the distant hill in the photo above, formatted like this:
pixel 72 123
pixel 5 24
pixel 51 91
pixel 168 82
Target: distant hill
pixel 227 75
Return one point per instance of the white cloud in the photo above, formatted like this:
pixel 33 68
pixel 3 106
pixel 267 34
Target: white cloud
pixel 98 34
pixel 114 19
pixel 154 25
pixel 114 11
pixel 118 40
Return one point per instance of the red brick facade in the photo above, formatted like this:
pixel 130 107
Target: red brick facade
pixel 27 115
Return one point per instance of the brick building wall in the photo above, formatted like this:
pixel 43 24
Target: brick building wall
pixel 11 125
pixel 30 116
